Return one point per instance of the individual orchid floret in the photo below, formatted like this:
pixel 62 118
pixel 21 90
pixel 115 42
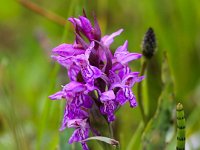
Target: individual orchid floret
pixel 89 73
pixel 109 104
pixel 64 53
pixel 76 93
pixel 125 93
pixel 123 56
pixel 77 98
pixel 72 112
pixel 81 131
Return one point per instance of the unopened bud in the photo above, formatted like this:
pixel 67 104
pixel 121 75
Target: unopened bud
pixel 149 44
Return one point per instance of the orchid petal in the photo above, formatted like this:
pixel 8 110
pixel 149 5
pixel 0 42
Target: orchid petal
pixel 113 77
pixel 83 100
pixel 131 78
pixel 75 22
pixel 64 50
pixel 73 72
pixel 79 135
pixel 124 71
pixel 108 109
pixel 74 86
pixel 120 97
pixel 64 61
pixel 123 59
pixel 122 49
pixel 133 102
pixel 57 96
pixel 89 49
pixel 86 26
pixel 67 50
pixel 108 39
pixel 84 146
pixel 108 95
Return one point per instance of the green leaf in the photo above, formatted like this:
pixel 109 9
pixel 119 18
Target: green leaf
pixel 135 142
pixel 107 140
pixel 103 139
pixel 155 133
pixel 153 84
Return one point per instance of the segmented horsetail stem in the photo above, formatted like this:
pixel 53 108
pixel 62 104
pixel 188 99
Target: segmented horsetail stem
pixel 180 127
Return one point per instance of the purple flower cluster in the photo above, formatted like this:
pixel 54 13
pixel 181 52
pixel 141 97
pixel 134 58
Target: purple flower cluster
pixel 97 77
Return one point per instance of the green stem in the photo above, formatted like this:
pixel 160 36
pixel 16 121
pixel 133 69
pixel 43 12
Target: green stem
pixel 110 129
pixel 139 91
pixel 117 147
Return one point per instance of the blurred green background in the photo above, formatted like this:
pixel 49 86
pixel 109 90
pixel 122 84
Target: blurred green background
pixel 29 120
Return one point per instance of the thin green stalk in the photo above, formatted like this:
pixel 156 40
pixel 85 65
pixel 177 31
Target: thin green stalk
pixel 118 147
pixel 110 130
pixel 139 91
pixel 47 106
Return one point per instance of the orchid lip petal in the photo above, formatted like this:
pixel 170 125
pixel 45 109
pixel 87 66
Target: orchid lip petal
pixel 120 97
pixel 133 102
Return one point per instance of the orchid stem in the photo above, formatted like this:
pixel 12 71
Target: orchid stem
pixel 118 147
pixel 110 129
pixel 140 101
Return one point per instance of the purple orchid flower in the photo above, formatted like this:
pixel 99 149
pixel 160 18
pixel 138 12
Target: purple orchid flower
pixel 91 67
